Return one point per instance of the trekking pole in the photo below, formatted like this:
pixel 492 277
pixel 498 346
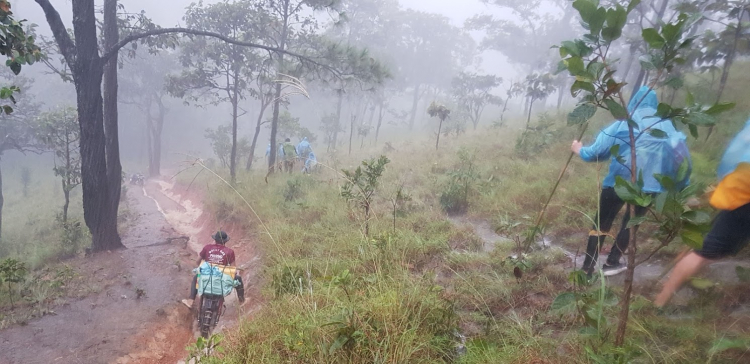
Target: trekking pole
pixel 557 184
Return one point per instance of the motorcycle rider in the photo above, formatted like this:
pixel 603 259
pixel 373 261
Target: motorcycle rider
pixel 216 253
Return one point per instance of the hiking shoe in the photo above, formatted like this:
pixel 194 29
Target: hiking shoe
pixel 611 270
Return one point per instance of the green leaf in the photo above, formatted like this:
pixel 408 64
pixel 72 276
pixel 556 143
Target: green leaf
pixel 636 221
pixel 720 108
pixel 701 283
pixel 581 85
pixel 614 150
pixel 616 19
pixel 647 65
pixel 693 131
pixel 626 190
pixel 692 238
pixel 569 48
pixel 586 9
pixel 663 111
pixel 653 38
pixel 743 274
pixel 575 65
pixel 656 133
pixel 697 217
pixel 616 109
pixel 581 114
pixel 700 119
pixel 563 300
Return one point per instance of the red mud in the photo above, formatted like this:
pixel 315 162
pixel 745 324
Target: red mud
pixel 112 325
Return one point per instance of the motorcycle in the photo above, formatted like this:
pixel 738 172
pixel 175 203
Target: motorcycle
pixel 214 282
pixel 137 179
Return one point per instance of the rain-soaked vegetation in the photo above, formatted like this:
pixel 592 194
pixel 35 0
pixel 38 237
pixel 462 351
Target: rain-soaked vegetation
pixel 397 177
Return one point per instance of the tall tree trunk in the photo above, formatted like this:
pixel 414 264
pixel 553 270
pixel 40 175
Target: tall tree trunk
pixel 88 72
pixel 112 144
pixel 255 136
pixel 380 122
pixel 440 129
pixel 414 105
pixel 150 140
pixel 155 170
pixel 66 193
pixel 338 119
pixel 622 323
pixel 277 99
pixel 531 107
pixel 351 132
pixel 233 155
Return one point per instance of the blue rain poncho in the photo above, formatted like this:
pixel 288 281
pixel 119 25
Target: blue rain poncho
pixel 213 281
pixel 654 155
pixel 310 162
pixel 268 149
pixel 303 148
pixel 738 152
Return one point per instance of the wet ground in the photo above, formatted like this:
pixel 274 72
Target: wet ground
pixel 133 315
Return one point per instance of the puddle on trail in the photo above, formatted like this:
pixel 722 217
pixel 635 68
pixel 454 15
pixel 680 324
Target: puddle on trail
pixel 180 213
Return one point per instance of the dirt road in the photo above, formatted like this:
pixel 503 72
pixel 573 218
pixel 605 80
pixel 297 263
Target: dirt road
pixel 133 314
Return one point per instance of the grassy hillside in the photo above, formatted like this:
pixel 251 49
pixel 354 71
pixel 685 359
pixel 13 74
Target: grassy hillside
pixel 429 290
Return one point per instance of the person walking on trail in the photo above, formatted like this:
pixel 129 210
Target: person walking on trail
pixel 730 230
pixel 290 154
pixel 654 155
pixel 216 253
pixel 304 149
pixel 268 150
pixel 310 163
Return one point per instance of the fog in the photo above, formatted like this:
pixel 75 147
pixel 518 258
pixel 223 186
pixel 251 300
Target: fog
pixel 188 117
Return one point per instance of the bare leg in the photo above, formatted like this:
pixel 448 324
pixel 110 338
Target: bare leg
pixel 685 268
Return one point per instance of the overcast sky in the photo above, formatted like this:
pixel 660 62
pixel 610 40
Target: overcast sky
pixel 169 13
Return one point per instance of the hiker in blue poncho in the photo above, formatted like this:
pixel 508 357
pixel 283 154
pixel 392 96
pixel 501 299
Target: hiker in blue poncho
pixel 304 148
pixel 268 150
pixel 310 163
pixel 655 154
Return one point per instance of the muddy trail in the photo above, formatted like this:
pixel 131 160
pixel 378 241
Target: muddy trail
pixel 133 314
pixel 647 275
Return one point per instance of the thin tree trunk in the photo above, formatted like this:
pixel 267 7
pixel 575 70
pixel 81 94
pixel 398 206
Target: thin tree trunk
pixel 110 115
pixel 233 155
pixel 414 105
pixel 622 324
pixel 351 133
pixel 505 107
pixel 150 140
pixel 380 122
pixel 66 193
pixel 255 136
pixel 338 119
pixel 528 120
pixel 156 138
pixel 277 98
pixel 440 129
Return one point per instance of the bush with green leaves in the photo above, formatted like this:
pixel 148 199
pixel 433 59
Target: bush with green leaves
pixel 361 185
pixel 12 272
pixel 455 196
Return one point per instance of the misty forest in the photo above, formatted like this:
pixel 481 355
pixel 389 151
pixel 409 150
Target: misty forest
pixel 374 181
